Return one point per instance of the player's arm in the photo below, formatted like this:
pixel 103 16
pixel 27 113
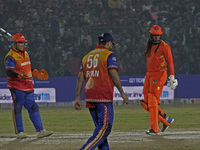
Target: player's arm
pixel 112 69
pixel 12 74
pixel 79 84
pixel 10 65
pixel 169 59
pixel 116 80
pixel 173 83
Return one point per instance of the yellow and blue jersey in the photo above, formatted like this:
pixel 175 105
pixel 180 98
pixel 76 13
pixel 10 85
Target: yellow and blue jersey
pixel 20 64
pixel 95 66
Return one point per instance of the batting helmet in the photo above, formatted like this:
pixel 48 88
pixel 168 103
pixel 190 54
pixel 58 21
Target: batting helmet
pixel 18 37
pixel 156 30
pixel 155 34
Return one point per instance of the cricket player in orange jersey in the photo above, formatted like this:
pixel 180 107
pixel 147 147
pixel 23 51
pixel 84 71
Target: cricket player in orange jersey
pixel 158 55
pixel 20 84
pixel 99 70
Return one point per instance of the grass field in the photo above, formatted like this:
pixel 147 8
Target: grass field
pixel 72 128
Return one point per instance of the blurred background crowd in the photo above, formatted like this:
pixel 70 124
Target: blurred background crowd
pixel 61 32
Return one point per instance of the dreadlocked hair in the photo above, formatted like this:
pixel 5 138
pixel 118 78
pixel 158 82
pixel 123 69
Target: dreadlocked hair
pixel 148 48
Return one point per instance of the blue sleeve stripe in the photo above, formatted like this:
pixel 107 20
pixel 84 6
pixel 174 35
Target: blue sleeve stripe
pixel 9 63
pixel 8 67
pixel 112 61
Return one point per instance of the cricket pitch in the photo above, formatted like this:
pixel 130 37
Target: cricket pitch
pixel 173 140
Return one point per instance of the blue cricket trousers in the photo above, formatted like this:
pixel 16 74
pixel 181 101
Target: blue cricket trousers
pixel 21 99
pixel 102 116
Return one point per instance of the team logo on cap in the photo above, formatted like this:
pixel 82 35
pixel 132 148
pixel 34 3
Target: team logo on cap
pixel 156 29
pixel 101 37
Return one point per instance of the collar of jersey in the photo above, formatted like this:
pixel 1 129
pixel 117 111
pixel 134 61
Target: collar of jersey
pixel 101 46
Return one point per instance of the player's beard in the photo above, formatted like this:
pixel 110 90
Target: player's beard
pixel 20 47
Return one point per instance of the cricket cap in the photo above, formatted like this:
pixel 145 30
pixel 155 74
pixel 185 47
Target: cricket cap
pixel 106 37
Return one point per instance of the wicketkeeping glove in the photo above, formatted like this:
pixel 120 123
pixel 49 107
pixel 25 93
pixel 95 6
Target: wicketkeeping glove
pixel 41 74
pixel 173 83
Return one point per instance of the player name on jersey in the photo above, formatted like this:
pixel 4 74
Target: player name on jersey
pixel 93 73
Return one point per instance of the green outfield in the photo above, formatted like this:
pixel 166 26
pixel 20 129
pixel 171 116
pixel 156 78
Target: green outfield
pixel 129 119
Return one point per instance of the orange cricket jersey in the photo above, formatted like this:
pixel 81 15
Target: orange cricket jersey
pixel 22 65
pixel 158 61
pixel 98 83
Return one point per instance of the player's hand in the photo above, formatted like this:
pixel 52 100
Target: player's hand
pixel 172 82
pixel 77 104
pixel 24 76
pixel 125 98
pixel 41 74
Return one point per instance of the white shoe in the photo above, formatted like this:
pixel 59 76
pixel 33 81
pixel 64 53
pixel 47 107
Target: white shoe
pixel 44 133
pixel 151 132
pixel 21 135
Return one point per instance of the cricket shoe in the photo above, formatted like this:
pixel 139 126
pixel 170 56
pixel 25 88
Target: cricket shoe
pixel 21 135
pixel 151 132
pixel 170 120
pixel 44 133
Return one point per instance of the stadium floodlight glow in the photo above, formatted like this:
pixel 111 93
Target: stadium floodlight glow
pixel 9 34
pixel 4 33
pixel 2 30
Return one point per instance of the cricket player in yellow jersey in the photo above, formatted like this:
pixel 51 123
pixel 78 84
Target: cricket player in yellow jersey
pixel 99 69
pixel 158 55
pixel 20 84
